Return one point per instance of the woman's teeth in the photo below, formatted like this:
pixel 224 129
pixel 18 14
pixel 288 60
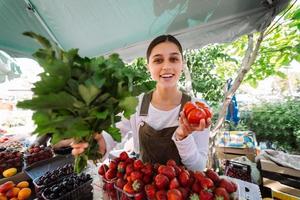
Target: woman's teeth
pixel 166 75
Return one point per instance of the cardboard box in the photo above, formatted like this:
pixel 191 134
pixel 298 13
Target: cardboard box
pixel 232 144
pixel 230 153
pixel 270 166
pixel 281 191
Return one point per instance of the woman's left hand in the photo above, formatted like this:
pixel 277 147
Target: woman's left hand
pixel 185 128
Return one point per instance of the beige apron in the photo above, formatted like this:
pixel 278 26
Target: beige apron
pixel 157 146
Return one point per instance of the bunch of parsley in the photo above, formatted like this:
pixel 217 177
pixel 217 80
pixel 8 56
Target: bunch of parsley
pixel 77 96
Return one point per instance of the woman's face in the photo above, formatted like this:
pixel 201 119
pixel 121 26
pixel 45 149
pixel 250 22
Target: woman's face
pixel 165 64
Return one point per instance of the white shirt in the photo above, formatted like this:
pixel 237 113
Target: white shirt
pixel 192 150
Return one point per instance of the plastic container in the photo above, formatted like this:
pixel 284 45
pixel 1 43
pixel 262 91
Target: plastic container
pixel 10 159
pixel 108 186
pixel 124 195
pixel 83 192
pixel 238 170
pixel 31 158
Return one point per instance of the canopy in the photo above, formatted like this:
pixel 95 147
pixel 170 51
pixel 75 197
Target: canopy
pixel 9 68
pixel 99 27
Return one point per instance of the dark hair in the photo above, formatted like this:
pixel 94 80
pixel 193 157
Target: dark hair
pixel 160 39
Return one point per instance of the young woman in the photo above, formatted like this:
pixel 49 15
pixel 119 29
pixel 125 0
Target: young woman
pixel 159 127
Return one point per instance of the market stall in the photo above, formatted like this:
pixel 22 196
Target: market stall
pixel 30 172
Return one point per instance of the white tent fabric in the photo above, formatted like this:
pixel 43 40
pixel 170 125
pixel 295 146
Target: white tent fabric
pixel 99 27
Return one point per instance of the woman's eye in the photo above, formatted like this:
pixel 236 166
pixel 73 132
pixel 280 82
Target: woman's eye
pixel 158 60
pixel 174 59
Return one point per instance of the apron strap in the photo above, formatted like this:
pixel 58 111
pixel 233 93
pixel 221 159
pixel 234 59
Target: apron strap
pixel 185 98
pixel 147 99
pixel 145 103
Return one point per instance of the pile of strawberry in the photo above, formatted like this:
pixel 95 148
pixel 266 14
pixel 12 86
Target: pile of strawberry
pixel 139 181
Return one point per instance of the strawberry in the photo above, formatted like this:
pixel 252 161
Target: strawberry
pixel 147 169
pixel 205 195
pixel 178 170
pixel 161 181
pixel 138 185
pixel 171 163
pixel 110 174
pixel 184 192
pixel 214 176
pixel 191 181
pixel 174 194
pixel 206 183
pixel 121 167
pixel 150 191
pixel 102 169
pixel 120 183
pixel 155 167
pixel 199 175
pixel 174 183
pixel 129 169
pixel 147 179
pixel 161 195
pixel 196 187
pixel 136 175
pixel 159 170
pixel 184 178
pixel 113 164
pixel 129 160
pixel 228 185
pixel 120 175
pixel 139 196
pixel 169 171
pixel 128 188
pixel 109 186
pixel 221 194
pixel 138 165
pixel 123 156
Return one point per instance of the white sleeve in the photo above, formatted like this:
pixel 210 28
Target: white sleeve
pixel 193 149
pixel 127 128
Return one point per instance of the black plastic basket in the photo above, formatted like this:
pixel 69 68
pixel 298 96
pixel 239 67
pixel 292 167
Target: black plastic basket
pixel 83 192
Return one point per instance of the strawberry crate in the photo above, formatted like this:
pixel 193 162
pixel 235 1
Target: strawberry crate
pixel 122 195
pixel 109 190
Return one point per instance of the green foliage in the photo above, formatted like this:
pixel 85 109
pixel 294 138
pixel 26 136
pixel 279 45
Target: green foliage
pixel 145 83
pixel 279 48
pixel 77 97
pixel 277 122
pixel 202 64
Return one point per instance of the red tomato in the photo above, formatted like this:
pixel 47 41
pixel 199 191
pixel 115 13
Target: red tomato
pixel 194 112
pixel 196 115
pixel 188 107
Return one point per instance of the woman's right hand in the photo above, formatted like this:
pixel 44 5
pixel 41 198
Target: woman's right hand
pixel 79 148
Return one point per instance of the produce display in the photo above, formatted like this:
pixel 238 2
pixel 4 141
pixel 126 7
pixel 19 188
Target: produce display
pixel 8 143
pixel 37 153
pixel 132 179
pixel 11 162
pixel 63 183
pixel 76 97
pixel 50 177
pixel 10 190
pixel 194 112
pixel 73 186
pixel 238 170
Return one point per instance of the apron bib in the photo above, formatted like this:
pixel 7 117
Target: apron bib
pixel 157 146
